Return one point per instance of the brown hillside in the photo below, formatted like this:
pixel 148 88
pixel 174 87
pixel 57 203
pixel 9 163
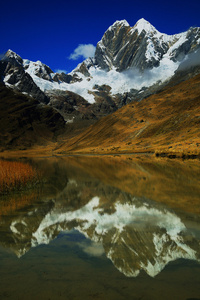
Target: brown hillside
pixel 168 121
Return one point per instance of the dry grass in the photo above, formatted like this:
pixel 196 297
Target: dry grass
pixel 15 176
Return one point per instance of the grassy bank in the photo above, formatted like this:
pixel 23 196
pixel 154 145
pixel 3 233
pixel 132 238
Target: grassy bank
pixel 16 176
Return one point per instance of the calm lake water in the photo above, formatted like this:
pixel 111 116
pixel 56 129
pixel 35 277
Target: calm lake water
pixel 122 227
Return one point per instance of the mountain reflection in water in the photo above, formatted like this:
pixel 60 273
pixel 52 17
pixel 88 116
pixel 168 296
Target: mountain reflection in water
pixel 135 234
pixel 141 213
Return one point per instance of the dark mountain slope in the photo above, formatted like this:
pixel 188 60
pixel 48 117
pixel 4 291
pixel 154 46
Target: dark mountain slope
pixel 25 122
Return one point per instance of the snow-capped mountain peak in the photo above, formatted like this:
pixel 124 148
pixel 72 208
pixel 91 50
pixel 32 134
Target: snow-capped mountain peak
pixel 12 57
pixel 37 69
pixel 11 54
pixel 142 24
pixel 118 23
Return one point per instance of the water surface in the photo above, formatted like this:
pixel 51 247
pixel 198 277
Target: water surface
pixel 123 227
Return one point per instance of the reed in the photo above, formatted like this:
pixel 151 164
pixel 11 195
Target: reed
pixel 16 176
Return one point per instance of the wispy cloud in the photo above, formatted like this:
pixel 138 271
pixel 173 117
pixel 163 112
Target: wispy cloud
pixel 83 50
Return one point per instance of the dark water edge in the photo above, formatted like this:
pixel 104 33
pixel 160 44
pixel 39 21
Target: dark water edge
pixel 62 270
pixel 73 266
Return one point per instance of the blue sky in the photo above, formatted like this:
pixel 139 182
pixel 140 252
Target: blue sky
pixel 50 31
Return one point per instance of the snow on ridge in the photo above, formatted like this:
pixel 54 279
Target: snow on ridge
pixel 142 24
pixel 80 88
pixel 178 40
pixel 120 82
pixel 12 54
pixel 151 31
pixel 118 22
pixel 31 67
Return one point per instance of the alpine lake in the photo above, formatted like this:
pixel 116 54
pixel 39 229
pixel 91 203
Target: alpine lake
pixel 103 227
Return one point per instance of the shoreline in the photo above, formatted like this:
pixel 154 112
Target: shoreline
pixel 50 153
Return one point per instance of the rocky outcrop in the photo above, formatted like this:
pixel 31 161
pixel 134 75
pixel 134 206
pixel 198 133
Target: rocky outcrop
pixel 75 108
pixel 85 66
pixel 58 77
pixel 40 70
pixel 71 106
pixel 189 45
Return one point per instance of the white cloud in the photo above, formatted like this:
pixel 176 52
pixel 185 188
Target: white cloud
pixel 84 50
pixel 61 71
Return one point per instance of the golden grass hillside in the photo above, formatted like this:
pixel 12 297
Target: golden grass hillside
pixel 166 122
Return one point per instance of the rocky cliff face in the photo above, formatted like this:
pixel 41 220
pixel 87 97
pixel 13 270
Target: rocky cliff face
pixel 142 46
pixel 137 61
pixel 13 73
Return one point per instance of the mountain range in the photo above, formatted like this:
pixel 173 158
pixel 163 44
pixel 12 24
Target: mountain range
pixel 129 65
